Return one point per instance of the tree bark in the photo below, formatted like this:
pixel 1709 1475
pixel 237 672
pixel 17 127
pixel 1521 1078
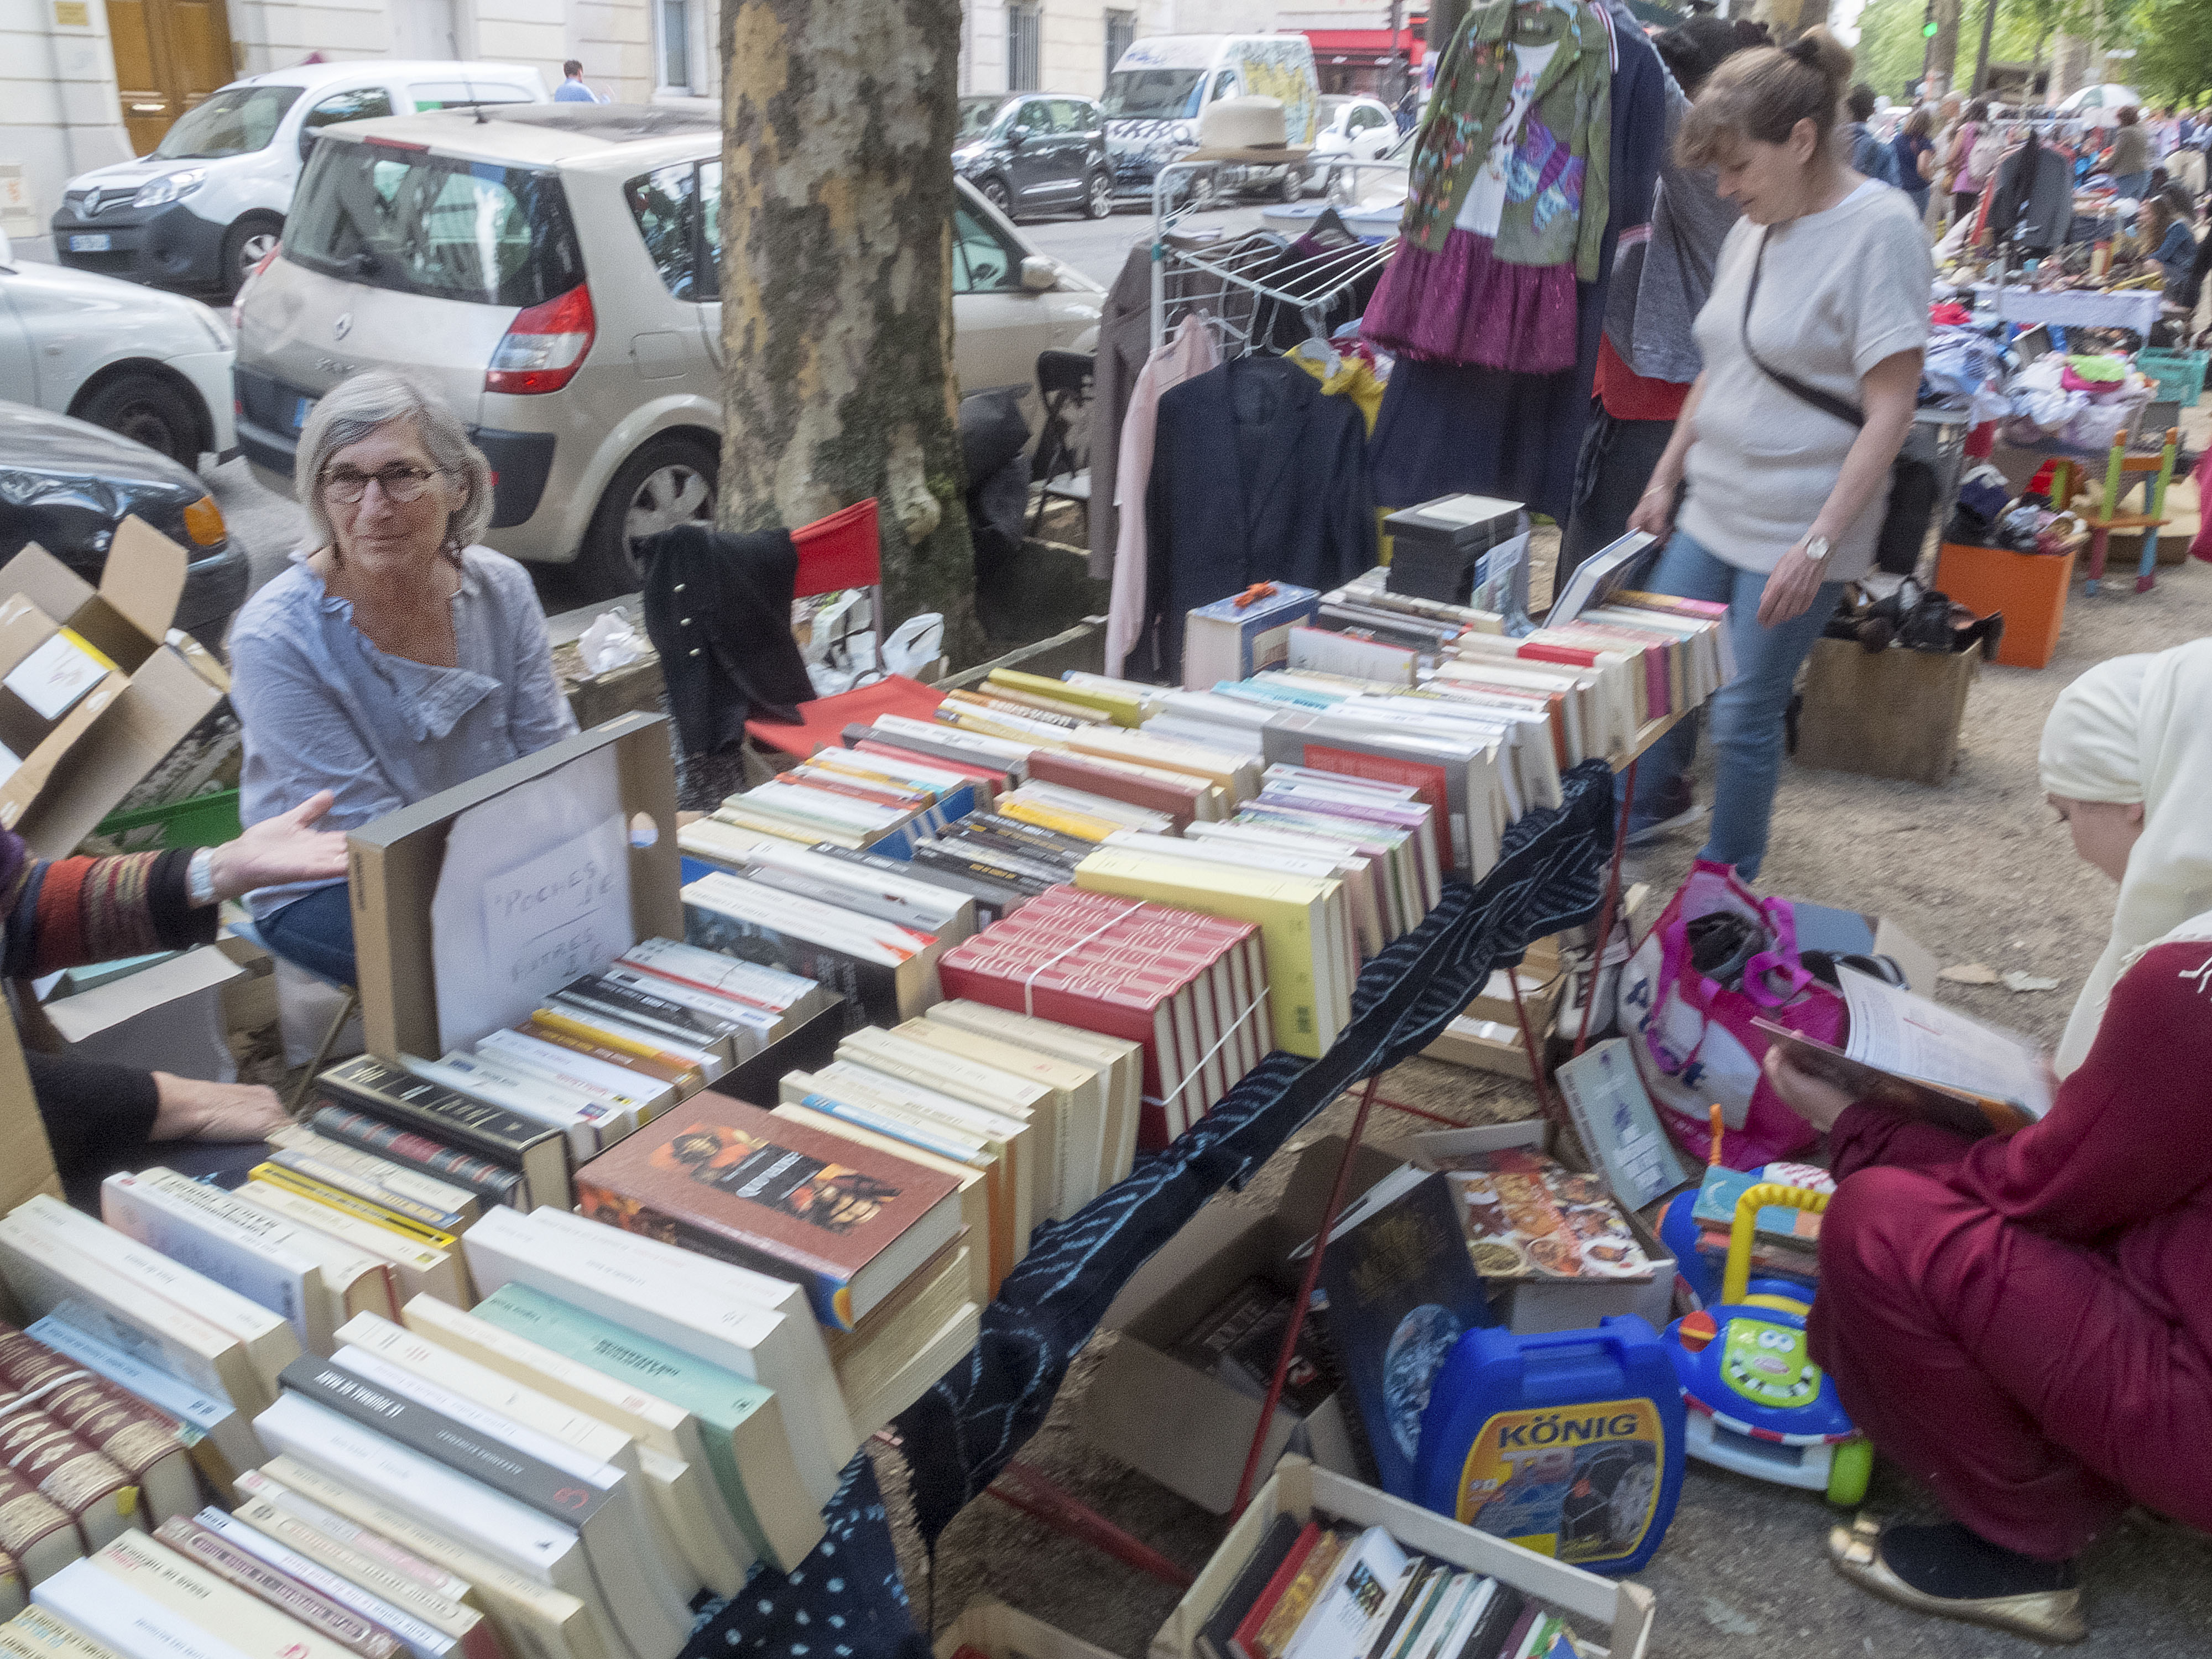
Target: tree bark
pixel 1943 50
pixel 837 210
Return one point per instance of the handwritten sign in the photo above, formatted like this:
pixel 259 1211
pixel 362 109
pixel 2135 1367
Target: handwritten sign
pixel 534 893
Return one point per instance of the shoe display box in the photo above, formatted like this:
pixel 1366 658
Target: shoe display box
pixel 1890 713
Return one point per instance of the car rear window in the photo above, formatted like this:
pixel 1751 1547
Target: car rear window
pixel 419 223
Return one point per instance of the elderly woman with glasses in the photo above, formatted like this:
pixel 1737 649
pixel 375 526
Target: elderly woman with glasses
pixel 395 658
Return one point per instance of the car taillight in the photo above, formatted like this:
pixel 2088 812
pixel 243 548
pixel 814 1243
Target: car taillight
pixel 544 345
pixel 253 276
pixel 203 521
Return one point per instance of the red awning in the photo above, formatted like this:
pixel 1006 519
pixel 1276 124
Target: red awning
pixel 1365 43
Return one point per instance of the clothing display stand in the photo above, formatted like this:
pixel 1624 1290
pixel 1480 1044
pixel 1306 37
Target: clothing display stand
pixel 1233 300
pixel 1607 907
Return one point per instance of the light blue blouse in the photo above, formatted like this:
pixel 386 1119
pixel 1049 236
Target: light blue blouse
pixel 323 708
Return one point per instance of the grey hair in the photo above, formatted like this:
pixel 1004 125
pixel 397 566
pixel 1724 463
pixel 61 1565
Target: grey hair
pixel 357 406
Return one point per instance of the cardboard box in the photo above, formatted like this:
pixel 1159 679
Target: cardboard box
pixel 1620 1612
pixel 1488 1045
pixel 395 862
pixel 998 1631
pixel 1175 1424
pixel 1894 714
pixel 165 685
pixel 169 1016
pixel 1554 1304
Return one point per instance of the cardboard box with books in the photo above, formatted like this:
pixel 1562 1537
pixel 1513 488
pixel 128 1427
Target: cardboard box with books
pixel 991 1630
pixel 1383 1560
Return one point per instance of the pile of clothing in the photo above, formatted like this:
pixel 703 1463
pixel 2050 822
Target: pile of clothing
pixel 2085 402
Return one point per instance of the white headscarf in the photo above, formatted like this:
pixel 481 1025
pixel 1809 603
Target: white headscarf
pixel 2140 729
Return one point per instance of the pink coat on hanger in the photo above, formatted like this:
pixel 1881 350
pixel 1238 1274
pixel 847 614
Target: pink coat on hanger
pixel 1189 351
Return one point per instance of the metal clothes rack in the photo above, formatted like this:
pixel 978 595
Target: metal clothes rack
pixel 1239 286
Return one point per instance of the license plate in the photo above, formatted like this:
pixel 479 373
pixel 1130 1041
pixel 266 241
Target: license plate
pixel 100 243
pixel 300 410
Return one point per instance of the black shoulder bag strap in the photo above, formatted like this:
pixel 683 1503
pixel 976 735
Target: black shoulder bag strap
pixel 1826 403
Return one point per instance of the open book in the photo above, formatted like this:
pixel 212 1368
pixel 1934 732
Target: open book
pixel 1931 1061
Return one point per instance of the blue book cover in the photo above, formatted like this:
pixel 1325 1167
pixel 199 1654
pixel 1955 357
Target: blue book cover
pixel 1263 627
pixel 1402 1290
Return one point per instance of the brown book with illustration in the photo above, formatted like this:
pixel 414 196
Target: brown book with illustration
pixel 729 1179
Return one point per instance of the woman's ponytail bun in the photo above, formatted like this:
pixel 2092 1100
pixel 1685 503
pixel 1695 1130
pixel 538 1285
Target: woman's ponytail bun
pixel 1764 94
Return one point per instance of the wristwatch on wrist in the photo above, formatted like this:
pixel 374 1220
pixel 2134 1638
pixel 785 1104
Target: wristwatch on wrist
pixel 1816 548
pixel 200 879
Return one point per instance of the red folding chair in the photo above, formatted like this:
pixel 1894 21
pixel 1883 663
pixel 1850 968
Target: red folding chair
pixel 835 553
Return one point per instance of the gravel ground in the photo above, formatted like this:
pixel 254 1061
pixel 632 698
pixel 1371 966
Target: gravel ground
pixel 1977 870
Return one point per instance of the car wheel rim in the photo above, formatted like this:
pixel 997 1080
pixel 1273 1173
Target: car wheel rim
pixel 667 497
pixel 254 249
pixel 143 424
pixel 995 194
pixel 1102 198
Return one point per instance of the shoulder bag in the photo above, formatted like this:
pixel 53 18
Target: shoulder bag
pixel 1912 483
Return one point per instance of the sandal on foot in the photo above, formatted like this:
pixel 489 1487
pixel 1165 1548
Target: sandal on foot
pixel 2042 1615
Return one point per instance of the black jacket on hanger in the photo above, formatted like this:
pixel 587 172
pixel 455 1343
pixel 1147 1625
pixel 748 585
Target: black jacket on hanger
pixel 1257 477
pixel 718 610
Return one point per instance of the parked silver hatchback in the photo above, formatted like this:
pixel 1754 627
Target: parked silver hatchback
pixel 553 271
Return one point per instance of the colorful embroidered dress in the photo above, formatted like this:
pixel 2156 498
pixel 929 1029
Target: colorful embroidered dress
pixel 1506 203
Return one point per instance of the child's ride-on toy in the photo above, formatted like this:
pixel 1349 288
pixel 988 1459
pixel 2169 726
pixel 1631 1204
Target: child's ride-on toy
pixel 1756 1404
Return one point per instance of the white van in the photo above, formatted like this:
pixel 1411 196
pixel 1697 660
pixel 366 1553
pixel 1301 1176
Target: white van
pixel 1155 94
pixel 209 204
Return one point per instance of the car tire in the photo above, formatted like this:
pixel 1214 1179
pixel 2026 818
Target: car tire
pixel 244 244
pixel 995 192
pixel 671 480
pixel 1291 185
pixel 148 409
pixel 1098 199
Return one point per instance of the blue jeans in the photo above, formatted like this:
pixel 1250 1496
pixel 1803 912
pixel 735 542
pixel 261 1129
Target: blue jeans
pixel 315 932
pixel 1745 713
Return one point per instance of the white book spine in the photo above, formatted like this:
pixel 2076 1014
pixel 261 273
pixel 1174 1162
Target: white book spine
pixel 288 1286
pixel 126 1620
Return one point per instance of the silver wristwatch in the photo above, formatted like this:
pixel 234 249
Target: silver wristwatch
pixel 1816 548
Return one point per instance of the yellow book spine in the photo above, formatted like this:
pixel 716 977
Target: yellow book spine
pixel 1285 929
pixel 277 1175
pixel 1081 825
pixel 1117 706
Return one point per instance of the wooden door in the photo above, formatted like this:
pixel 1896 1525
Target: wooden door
pixel 169 54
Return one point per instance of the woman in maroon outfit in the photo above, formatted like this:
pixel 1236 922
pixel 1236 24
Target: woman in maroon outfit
pixel 2022 1321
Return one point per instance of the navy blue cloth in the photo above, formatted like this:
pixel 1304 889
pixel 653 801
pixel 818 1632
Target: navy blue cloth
pixel 315 932
pixel 845 1602
pixel 1445 429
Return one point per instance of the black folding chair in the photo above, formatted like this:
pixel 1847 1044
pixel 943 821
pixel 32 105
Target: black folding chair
pixel 1063 453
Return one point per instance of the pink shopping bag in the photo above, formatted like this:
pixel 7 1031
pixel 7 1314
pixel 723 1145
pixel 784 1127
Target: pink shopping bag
pixel 1694 1038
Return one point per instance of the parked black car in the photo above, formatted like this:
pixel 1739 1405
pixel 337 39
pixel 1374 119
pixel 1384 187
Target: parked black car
pixel 1035 152
pixel 67 485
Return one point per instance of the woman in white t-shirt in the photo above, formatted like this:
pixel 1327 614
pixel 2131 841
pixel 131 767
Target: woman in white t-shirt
pixel 1812 342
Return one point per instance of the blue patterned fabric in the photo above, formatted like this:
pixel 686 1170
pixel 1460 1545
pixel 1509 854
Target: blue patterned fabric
pixel 958 1435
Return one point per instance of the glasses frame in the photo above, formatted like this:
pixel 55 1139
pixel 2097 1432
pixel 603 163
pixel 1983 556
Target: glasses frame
pixel 382 478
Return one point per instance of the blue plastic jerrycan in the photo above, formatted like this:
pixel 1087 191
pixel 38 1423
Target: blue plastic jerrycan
pixel 1567 1442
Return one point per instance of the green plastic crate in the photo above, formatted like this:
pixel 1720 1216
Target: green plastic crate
pixel 2179 374
pixel 203 821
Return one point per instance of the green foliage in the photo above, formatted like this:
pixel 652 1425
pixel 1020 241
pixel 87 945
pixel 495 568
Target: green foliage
pixel 2173 49
pixel 1891 46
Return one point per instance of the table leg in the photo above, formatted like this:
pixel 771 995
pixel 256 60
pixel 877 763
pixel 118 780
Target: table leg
pixel 1544 1101
pixel 1021 1486
pixel 1612 903
pixel 1298 1309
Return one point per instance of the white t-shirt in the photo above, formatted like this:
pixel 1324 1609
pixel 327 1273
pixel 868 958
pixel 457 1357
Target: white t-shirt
pixel 1840 291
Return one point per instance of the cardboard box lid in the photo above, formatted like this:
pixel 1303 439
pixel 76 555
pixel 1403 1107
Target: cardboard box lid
pixel 140 584
pixel 394 864
pixel 999 1632
pixel 105 1006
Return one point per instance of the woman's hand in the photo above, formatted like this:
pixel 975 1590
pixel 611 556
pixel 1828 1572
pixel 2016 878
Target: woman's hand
pixel 191 1110
pixel 1792 588
pixel 1655 510
pixel 1816 1099
pixel 280 850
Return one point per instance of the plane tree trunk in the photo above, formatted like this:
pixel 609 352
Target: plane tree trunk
pixel 836 205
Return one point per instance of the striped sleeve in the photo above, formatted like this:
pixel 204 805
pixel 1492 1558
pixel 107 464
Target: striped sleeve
pixel 62 913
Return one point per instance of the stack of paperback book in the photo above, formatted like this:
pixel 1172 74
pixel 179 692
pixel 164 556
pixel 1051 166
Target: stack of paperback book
pixel 1323 1592
pixel 1192 989
pixel 854 800
pixel 885 970
pixel 1030 1118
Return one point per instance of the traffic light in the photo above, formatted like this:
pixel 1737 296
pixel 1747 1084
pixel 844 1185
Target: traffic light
pixel 1928 30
